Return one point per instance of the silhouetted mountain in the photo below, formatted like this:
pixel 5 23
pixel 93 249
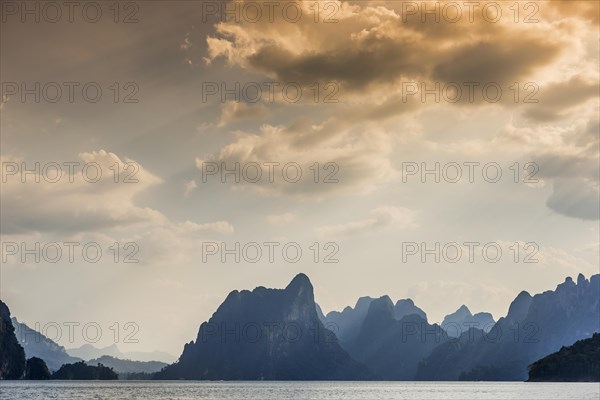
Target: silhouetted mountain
pixel 451 358
pixel 533 328
pixel 462 320
pixel 406 307
pixel 269 334
pixel 458 316
pixel 393 348
pixel 481 320
pixel 320 314
pixel 128 366
pixel 88 352
pixel 346 324
pixel 519 307
pixel 12 355
pixel 81 371
pixel 36 370
pixel 577 363
pixel 37 345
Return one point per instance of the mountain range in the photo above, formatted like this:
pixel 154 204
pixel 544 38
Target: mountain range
pixel 378 339
pixel 391 339
pixel 36 345
pixel 282 334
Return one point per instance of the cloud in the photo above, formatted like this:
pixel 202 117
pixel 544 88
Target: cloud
pixel 106 212
pixel 576 198
pixel 87 201
pixel 190 186
pixel 586 10
pixel 566 155
pixel 282 219
pixel 496 60
pixel 3 100
pixel 189 227
pixel 558 99
pixel 567 166
pixel 381 217
pixel 371 52
pixel 349 159
pixel 233 111
pixel 576 178
pixel 373 45
pixel 559 262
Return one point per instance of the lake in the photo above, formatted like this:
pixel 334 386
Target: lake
pixel 186 390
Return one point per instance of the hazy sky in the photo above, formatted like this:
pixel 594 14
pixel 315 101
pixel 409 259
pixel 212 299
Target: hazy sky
pixel 517 93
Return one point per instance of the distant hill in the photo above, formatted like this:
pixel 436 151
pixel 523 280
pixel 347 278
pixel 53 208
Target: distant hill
pixel 88 352
pixel 149 356
pixel 81 371
pixel 266 334
pixel 128 366
pixel 577 363
pixel 462 320
pixel 37 345
pixel 406 307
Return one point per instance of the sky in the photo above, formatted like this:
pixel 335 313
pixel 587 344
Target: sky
pixel 446 153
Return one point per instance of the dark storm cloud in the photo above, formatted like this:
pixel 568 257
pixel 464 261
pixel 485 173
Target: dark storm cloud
pixel 375 61
pixel 500 60
pixel 372 47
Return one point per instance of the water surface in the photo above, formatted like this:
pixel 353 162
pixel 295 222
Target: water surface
pixel 186 390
